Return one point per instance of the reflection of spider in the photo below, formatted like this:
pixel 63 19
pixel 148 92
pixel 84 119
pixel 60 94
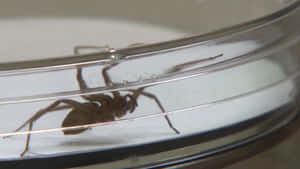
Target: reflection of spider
pixel 98 108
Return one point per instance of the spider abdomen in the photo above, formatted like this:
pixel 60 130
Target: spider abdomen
pixel 78 117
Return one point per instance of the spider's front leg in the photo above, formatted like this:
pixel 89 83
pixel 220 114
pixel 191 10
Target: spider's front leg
pixel 81 82
pixel 152 96
pixel 141 91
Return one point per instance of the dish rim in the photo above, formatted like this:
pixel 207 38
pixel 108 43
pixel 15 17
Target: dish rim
pixel 56 63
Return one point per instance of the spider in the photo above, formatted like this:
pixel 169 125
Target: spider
pixel 96 108
pixel 100 107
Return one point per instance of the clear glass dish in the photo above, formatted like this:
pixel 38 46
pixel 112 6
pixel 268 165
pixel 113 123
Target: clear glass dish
pixel 140 84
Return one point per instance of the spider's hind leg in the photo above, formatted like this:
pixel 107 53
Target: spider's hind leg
pixel 40 113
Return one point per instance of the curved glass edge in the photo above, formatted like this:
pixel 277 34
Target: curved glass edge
pixel 263 42
pixel 170 152
pixel 241 138
pixel 240 151
pixel 279 44
pixel 144 50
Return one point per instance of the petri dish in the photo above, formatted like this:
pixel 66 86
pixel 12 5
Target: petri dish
pixel 137 84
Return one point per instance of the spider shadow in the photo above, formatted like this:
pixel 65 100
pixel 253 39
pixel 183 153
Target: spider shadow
pixel 97 141
pixel 110 141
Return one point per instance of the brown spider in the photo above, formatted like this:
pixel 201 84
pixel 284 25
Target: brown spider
pixel 98 108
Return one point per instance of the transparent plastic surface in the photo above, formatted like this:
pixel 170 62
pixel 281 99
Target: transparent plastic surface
pixel 149 93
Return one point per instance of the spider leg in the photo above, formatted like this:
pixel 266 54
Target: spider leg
pixel 42 112
pixel 103 99
pixel 27 140
pixel 191 63
pixel 107 79
pixel 152 96
pixel 81 82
